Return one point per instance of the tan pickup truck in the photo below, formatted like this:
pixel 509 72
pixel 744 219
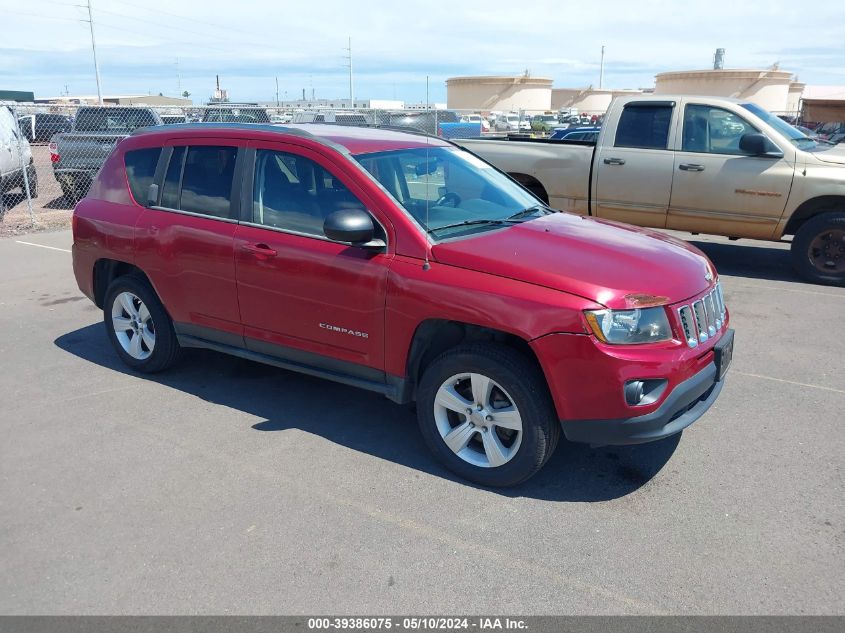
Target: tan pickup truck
pixel 700 164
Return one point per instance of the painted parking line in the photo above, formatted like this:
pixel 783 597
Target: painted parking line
pixel 791 382
pixel 52 248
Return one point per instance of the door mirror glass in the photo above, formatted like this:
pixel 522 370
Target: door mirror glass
pixel 758 144
pixel 352 226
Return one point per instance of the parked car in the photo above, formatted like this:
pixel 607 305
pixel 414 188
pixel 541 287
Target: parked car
pixel 235 113
pixel 17 169
pixel 589 134
pixel 657 162
pixel 827 131
pixel 421 120
pixel 408 267
pixel 476 118
pixel 41 126
pixel 512 123
pixel 545 123
pixel 173 119
pixel 78 155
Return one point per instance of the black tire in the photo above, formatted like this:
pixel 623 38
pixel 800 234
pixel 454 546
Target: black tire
pixel 821 266
pixel 74 189
pixel 165 351
pixel 526 388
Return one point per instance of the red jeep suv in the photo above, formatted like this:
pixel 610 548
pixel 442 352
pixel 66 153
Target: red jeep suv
pixel 402 264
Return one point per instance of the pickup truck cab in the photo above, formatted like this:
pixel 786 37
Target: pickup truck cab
pixel 77 155
pixel 699 164
pixel 402 264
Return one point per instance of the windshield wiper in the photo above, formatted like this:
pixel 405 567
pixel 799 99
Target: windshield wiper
pixel 529 211
pixel 465 223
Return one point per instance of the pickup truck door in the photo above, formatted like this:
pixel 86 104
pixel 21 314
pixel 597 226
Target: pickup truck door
pixel 718 188
pixel 304 298
pixel 633 165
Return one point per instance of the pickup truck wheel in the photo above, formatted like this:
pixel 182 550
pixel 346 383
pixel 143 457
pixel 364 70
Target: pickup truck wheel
pixel 138 326
pixel 485 412
pixel 818 249
pixel 32 177
pixel 74 189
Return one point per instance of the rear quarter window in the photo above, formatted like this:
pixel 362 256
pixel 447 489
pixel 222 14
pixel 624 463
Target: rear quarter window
pixel 140 170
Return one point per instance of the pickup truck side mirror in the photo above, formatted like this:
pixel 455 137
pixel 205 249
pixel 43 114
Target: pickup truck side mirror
pixel 352 226
pixel 758 144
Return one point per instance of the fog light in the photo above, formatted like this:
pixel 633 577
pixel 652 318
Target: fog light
pixel 634 392
pixel 642 392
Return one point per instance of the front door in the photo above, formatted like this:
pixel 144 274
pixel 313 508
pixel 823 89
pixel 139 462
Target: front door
pixel 303 297
pixel 634 170
pixel 718 188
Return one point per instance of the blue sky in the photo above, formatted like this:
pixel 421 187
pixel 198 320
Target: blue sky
pixel 397 44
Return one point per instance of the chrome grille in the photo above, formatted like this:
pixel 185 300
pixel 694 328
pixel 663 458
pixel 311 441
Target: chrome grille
pixel 703 318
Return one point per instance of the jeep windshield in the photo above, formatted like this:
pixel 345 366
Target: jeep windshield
pixel 450 192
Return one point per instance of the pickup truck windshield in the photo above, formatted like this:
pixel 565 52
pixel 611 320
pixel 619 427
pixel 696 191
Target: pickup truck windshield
pixel 449 191
pixel 797 137
pixel 117 120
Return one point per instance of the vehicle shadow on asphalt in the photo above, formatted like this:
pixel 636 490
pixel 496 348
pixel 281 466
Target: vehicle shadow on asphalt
pixel 755 262
pixel 369 423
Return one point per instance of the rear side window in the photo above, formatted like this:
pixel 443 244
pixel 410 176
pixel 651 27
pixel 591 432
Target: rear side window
pixel 644 127
pixel 199 179
pixel 140 170
pixel 207 180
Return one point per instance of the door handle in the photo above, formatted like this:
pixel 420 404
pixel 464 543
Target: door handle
pixel 259 249
pixel 691 167
pixel 614 161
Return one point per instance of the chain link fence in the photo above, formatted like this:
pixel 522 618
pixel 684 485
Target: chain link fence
pixel 51 153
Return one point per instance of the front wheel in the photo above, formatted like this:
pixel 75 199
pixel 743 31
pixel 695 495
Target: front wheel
pixel 485 412
pixel 818 249
pixel 138 326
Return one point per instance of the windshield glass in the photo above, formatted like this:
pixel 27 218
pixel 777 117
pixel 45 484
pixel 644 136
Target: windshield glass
pixel 794 135
pixel 449 191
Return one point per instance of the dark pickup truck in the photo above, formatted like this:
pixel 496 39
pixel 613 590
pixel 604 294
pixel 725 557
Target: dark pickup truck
pixel 78 155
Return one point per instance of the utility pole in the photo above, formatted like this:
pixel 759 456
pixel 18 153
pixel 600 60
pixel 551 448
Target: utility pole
pixel 351 91
pixel 94 48
pixel 601 70
pixel 277 92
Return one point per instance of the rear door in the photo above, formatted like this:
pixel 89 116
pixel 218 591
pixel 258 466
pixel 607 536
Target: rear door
pixel 303 297
pixel 184 240
pixel 633 169
pixel 717 187
pixel 9 151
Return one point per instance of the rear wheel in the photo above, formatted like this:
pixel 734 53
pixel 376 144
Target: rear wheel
pixel 818 249
pixel 32 178
pixel 138 326
pixel 485 412
pixel 74 189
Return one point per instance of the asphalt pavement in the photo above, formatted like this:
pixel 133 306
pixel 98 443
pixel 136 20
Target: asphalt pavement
pixel 228 487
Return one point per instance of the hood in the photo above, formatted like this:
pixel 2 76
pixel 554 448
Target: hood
pixel 835 155
pixel 614 264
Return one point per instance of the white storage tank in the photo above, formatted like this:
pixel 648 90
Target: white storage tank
pixel 767 88
pixel 501 93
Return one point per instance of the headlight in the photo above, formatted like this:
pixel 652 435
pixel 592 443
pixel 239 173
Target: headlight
pixel 630 327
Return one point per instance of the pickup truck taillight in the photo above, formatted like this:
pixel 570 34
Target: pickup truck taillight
pixel 54 153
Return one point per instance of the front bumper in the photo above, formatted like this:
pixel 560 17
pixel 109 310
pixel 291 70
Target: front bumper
pixel 687 402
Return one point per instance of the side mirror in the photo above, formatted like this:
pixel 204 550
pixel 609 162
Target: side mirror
pixel 758 144
pixel 352 226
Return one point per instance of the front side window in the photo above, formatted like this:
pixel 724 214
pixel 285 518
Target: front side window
pixel 450 192
pixel 712 130
pixel 294 193
pixel 644 126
